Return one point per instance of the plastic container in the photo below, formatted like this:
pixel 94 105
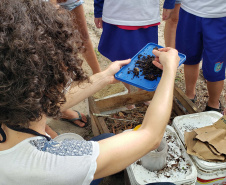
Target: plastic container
pixel 156 159
pixel 138 175
pixel 69 136
pixel 208 172
pixel 140 82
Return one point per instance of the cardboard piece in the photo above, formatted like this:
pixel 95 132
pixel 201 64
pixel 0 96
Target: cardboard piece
pixel 216 138
pixel 214 150
pixel 208 142
pixel 203 150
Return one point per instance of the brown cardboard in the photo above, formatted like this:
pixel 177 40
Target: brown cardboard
pixel 190 143
pixel 216 138
pixel 204 129
pixel 208 142
pixel 203 150
pixel 221 123
pixel 214 150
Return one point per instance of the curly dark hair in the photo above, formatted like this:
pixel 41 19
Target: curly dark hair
pixel 38 57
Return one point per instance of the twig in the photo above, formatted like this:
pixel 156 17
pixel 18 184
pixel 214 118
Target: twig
pixel 109 117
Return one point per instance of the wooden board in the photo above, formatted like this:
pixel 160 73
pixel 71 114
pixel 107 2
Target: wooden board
pixel 181 105
pixel 185 101
pixel 122 100
pixel 97 122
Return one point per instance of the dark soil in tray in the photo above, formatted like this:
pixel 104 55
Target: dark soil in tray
pixel 145 67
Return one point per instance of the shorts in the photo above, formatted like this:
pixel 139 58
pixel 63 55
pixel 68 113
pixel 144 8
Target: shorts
pixel 119 44
pixel 203 39
pixel 178 1
pixel 71 4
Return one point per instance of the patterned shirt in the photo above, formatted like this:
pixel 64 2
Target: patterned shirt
pixel 36 161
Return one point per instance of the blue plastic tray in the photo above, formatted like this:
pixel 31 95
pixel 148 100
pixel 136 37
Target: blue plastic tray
pixel 140 82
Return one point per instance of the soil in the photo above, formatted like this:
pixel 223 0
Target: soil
pixel 145 67
pixel 64 127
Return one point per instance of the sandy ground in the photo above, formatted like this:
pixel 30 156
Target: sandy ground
pixel 64 127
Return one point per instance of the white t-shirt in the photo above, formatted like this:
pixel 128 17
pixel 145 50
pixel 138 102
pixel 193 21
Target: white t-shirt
pixel 131 12
pixel 205 8
pixel 36 161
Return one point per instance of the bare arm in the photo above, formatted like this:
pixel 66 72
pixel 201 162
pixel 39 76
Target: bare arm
pixel 166 14
pixel 98 81
pixel 119 151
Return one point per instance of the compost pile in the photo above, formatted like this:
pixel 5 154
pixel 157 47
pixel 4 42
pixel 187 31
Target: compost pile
pixel 177 167
pixel 128 119
pixel 123 120
pixel 145 67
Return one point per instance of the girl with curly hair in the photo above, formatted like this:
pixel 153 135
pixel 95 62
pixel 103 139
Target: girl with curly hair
pixel 38 59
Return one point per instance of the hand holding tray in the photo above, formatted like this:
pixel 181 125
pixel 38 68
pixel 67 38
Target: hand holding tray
pixel 127 73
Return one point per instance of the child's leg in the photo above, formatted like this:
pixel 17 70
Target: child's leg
pixel 129 90
pixel 70 115
pixel 191 73
pixel 189 42
pixel 224 112
pixel 171 27
pixel 80 23
pixel 214 90
pixel 214 57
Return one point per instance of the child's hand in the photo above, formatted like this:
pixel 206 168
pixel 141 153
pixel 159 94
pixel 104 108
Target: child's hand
pixel 98 22
pixel 166 14
pixel 166 58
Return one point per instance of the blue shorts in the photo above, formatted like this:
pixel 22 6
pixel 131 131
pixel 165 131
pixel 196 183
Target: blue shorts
pixel 71 4
pixel 203 39
pixel 119 44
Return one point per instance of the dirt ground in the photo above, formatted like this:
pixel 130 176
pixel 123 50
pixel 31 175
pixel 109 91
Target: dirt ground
pixel 64 127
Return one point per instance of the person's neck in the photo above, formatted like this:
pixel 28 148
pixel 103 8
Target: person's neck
pixel 14 137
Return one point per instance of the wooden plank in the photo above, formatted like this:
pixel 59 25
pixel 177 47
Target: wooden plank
pixel 133 98
pixel 185 101
pixel 122 100
pixel 100 123
pixel 95 129
pixel 177 109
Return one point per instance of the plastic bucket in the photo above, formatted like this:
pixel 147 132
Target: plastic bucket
pixel 211 173
pixel 68 136
pixel 156 159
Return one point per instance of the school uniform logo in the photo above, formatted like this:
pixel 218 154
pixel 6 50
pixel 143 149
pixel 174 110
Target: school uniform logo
pixel 218 66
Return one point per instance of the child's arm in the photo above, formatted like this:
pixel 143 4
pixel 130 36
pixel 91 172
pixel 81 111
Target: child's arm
pixel 98 9
pixel 169 4
pixel 167 9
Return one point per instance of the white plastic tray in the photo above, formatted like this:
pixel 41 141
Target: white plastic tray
pixel 190 122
